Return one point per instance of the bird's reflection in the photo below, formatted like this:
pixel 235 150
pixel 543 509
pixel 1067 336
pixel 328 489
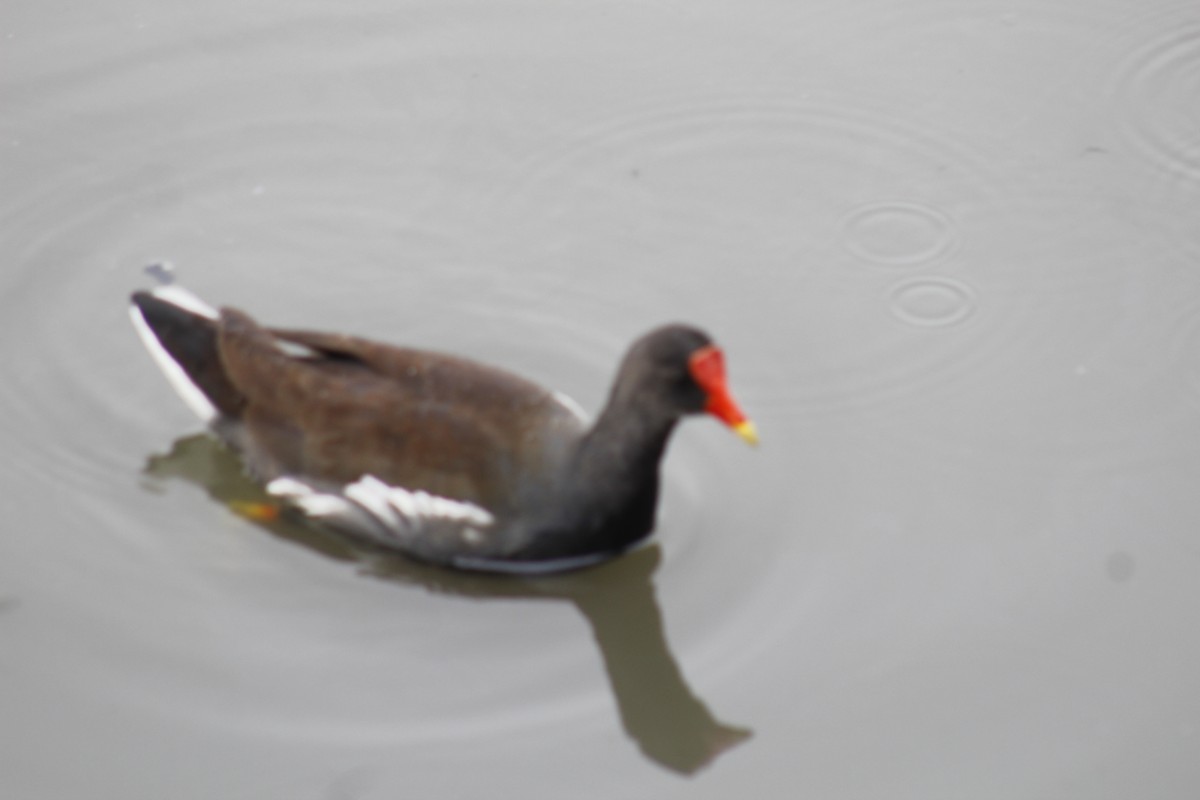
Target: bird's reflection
pixel 670 724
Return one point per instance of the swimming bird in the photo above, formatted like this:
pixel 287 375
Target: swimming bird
pixel 446 459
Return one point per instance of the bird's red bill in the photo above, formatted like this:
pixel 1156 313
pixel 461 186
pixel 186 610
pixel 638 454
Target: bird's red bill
pixel 707 366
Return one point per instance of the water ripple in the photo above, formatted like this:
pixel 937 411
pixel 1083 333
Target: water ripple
pixel 303 216
pixel 1152 90
pixel 899 233
pixel 932 302
pixel 777 201
pixel 717 174
pixel 1155 91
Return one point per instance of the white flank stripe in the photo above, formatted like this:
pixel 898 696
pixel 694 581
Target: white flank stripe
pixel 398 510
pixel 413 506
pixel 371 494
pixel 403 501
pixel 333 509
pixel 289 488
pixel 195 399
pixel 324 505
pixel 307 498
pixel 429 505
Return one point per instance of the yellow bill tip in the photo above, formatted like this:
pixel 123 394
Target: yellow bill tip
pixel 747 431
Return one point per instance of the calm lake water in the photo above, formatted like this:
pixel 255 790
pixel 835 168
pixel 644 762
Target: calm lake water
pixel 952 250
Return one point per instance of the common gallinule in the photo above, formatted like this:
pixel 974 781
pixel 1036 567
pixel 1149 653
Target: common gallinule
pixel 451 461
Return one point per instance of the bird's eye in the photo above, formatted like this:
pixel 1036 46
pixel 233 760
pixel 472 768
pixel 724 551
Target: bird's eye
pixel 679 375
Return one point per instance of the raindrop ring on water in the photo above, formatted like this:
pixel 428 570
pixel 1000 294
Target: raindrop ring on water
pixel 898 233
pixel 1156 89
pixel 932 302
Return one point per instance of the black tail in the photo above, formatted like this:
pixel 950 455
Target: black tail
pixel 190 340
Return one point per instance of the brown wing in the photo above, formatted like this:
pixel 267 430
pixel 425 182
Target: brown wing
pixel 411 418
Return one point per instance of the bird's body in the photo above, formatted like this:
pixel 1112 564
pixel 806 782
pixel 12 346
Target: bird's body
pixel 451 461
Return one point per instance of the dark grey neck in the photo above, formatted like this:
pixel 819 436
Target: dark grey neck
pixel 610 494
pixel 622 450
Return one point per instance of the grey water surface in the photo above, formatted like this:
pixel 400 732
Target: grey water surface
pixel 951 249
